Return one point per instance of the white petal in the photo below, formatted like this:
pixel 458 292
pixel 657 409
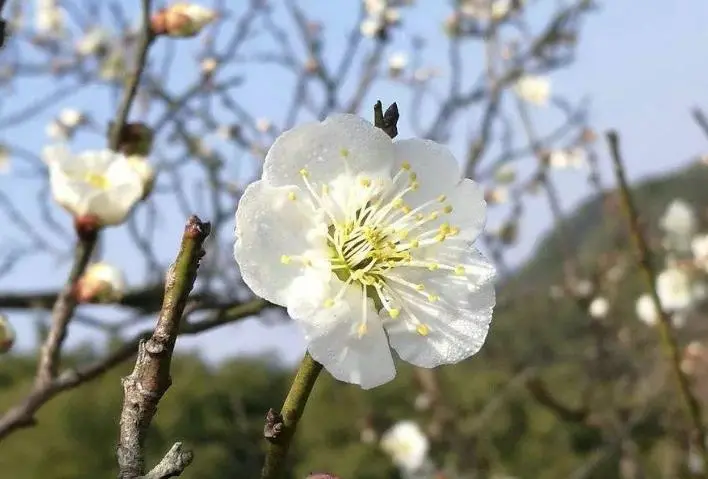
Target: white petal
pixel 334 341
pixel 319 148
pixel 469 211
pixel 436 168
pixel 268 226
pixel 457 321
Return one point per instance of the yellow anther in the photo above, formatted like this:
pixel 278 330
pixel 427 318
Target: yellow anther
pixel 453 231
pixel 365 182
pixel 415 243
pixel 413 175
pixel 403 234
pixel 398 202
pixel 285 259
pixel 419 216
pixel 433 297
pixel 422 329
pixel 433 266
pixel 419 287
pixel 361 331
pixel 414 185
pixel 406 166
pixel 98 181
pixel 394 312
pixel 442 198
pixel 444 228
pixel 325 190
pixel 406 209
pixel 328 303
pixel 440 237
pixel 459 270
pixel 344 152
pixel 447 209
pixel 304 173
pixel 292 196
pixel 434 215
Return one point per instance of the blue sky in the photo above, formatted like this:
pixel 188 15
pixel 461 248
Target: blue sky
pixel 638 66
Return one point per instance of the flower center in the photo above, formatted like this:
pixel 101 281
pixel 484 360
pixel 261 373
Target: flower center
pixel 97 180
pixel 369 245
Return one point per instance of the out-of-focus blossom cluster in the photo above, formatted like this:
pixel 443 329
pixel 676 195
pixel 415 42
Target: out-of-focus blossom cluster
pixel 380 15
pixel 681 284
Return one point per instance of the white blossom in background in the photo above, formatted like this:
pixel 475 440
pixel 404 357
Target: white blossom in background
pixel 506 173
pixel 56 131
pixel 4 159
pixel 497 195
pixel 182 19
pixel 599 307
pixel 379 15
pixel 71 118
pixel 95 183
pixel 370 27
pixel 369 243
pixel 486 9
pixel 397 63
pixel 533 89
pixel 407 446
pixel 93 42
pixel 680 224
pixel 646 310
pixel 264 125
pixel 699 248
pixel 567 158
pixel 49 18
pixel 114 65
pixel 675 290
pixel 142 166
pixel 100 283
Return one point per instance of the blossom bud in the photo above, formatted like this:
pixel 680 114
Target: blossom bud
pixel 7 335
pixel 135 139
pixel 181 20
pixel 101 283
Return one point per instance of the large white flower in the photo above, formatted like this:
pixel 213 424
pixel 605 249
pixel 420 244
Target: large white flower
pixel 369 245
pixel 95 183
pixel 407 445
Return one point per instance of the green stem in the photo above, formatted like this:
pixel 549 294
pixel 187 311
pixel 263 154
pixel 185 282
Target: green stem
pixel 665 329
pixel 291 413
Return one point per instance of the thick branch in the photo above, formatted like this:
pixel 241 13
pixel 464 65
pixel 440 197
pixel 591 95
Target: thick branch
pixel 150 378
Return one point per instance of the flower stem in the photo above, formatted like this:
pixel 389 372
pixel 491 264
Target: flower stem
pixel 667 339
pixel 279 432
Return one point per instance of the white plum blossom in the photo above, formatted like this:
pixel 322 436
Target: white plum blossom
pixel 183 19
pixel 567 158
pixel 147 173
pixel 369 243
pixel 379 14
pixel 49 18
pixel 71 118
pixel 673 285
pixel 533 89
pixel 646 310
pixel 407 446
pixel 680 224
pixel 397 63
pixel 100 283
pixel 93 42
pixel 599 307
pixel 95 183
pixel 486 9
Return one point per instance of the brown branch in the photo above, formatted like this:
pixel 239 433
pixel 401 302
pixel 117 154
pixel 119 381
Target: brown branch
pixel 280 427
pixel 701 119
pixel 150 378
pixel 665 329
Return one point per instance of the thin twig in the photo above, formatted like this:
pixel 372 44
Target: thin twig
pixel 667 338
pixel 150 378
pixel 280 428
